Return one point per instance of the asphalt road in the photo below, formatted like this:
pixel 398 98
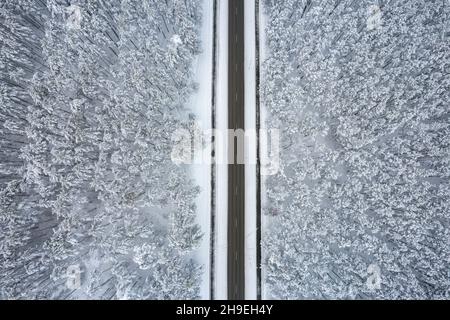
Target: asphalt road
pixel 236 172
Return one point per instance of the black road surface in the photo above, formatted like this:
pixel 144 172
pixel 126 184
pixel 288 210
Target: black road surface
pixel 236 171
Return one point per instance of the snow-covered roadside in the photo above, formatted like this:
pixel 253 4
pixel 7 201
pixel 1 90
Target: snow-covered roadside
pixel 250 169
pixel 220 252
pixel 263 117
pixel 200 105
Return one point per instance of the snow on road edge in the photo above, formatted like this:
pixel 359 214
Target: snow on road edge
pixel 263 117
pixel 250 168
pixel 221 240
pixel 200 105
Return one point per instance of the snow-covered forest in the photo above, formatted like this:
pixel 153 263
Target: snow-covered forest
pixel 91 205
pixel 361 90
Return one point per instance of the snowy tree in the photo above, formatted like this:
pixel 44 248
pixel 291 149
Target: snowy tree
pixel 86 178
pixel 365 159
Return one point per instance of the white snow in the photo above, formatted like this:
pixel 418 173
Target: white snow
pixel 200 104
pixel 263 116
pixel 221 240
pixel 250 169
pixel 175 39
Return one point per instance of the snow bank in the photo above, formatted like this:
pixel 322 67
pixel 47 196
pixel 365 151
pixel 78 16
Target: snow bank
pixel 263 117
pixel 200 104
pixel 220 284
pixel 250 169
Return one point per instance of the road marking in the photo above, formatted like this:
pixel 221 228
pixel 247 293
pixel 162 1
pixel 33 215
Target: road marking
pixel 236 113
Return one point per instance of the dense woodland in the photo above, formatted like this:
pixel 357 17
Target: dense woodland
pixel 361 91
pixel 90 93
pixel 91 205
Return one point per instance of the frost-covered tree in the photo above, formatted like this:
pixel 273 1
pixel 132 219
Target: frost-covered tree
pixel 362 92
pixel 90 93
